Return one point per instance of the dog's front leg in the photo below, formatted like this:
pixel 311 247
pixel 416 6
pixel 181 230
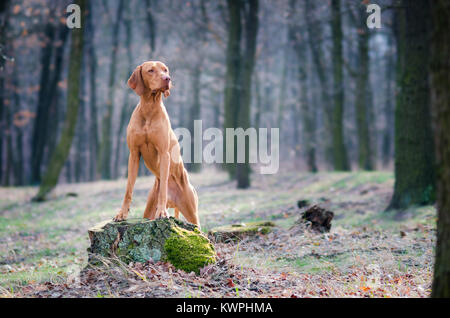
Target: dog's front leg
pixel 164 167
pixel 133 167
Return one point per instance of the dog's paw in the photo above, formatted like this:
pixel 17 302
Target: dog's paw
pixel 161 213
pixel 119 217
pixel 122 215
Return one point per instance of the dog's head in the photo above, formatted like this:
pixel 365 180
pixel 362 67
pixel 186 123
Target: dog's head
pixel 151 76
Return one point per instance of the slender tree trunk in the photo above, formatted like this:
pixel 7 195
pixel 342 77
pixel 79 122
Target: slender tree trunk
pixel 7 177
pixel 340 159
pixel 68 168
pixel 304 112
pixel 309 118
pixel 53 101
pixel 45 128
pixel 259 102
pixel 18 163
pixel 387 143
pixel 315 34
pixel 41 121
pixel 2 124
pixel 440 100
pixel 217 109
pixel 93 122
pixel 59 156
pixel 365 158
pixel 414 150
pixel 251 33
pixel 232 77
pixel 195 112
pixel 127 108
pixel 151 25
pixel 282 92
pixel 81 135
pixel 105 163
pixel 4 8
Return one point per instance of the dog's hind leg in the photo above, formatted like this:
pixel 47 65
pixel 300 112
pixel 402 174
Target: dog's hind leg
pixel 189 205
pixel 150 209
pixel 185 199
pixel 177 213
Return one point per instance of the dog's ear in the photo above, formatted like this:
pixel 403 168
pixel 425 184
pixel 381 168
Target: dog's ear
pixel 136 81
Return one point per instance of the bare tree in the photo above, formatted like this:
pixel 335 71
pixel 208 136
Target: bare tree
pixel 61 152
pixel 440 100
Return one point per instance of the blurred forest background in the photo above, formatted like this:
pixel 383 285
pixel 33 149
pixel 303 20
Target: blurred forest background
pixel 345 97
pixel 318 73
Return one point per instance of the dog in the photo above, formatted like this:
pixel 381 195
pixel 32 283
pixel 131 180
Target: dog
pixel 150 135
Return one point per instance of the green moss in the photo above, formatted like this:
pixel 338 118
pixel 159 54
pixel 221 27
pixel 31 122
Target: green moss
pixel 189 251
pixel 241 230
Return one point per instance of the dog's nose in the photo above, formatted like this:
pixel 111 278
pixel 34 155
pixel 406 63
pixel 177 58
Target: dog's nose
pixel 166 78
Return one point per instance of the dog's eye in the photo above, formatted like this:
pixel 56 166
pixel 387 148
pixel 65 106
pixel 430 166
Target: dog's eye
pixel 151 71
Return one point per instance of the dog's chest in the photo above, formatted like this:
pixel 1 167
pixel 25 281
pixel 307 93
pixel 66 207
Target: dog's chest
pixel 143 134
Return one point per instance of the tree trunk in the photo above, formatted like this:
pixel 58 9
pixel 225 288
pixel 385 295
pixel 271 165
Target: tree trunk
pixel 194 113
pixel 440 100
pixel 363 95
pixel 315 34
pixel 340 159
pixel 45 129
pixel 387 142
pixel 259 102
pixel 4 8
pixel 2 124
pixel 414 150
pixel 251 33
pixel 8 127
pixel 104 164
pixel 61 152
pixel 151 25
pixel 127 108
pixel 81 135
pixel 304 111
pixel 232 78
pixel 19 168
pixel 93 124
pixel 42 114
pixel 53 101
pixel 282 91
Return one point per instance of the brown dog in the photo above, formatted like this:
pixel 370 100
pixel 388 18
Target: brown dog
pixel 150 135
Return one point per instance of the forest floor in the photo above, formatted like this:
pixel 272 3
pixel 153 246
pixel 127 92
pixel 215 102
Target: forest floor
pixel 368 253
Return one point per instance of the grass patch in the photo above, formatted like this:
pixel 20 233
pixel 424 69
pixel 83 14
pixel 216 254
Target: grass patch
pixel 55 232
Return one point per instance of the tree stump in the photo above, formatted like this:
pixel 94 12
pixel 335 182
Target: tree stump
pixel 239 231
pixel 318 218
pixel 141 240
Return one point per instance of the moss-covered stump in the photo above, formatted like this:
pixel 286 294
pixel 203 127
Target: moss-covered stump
pixel 139 240
pixel 235 232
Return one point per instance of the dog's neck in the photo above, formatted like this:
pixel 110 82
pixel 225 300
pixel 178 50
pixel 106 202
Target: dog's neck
pixel 151 103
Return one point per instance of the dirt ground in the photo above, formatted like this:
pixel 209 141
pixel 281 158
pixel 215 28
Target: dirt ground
pixel 368 252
